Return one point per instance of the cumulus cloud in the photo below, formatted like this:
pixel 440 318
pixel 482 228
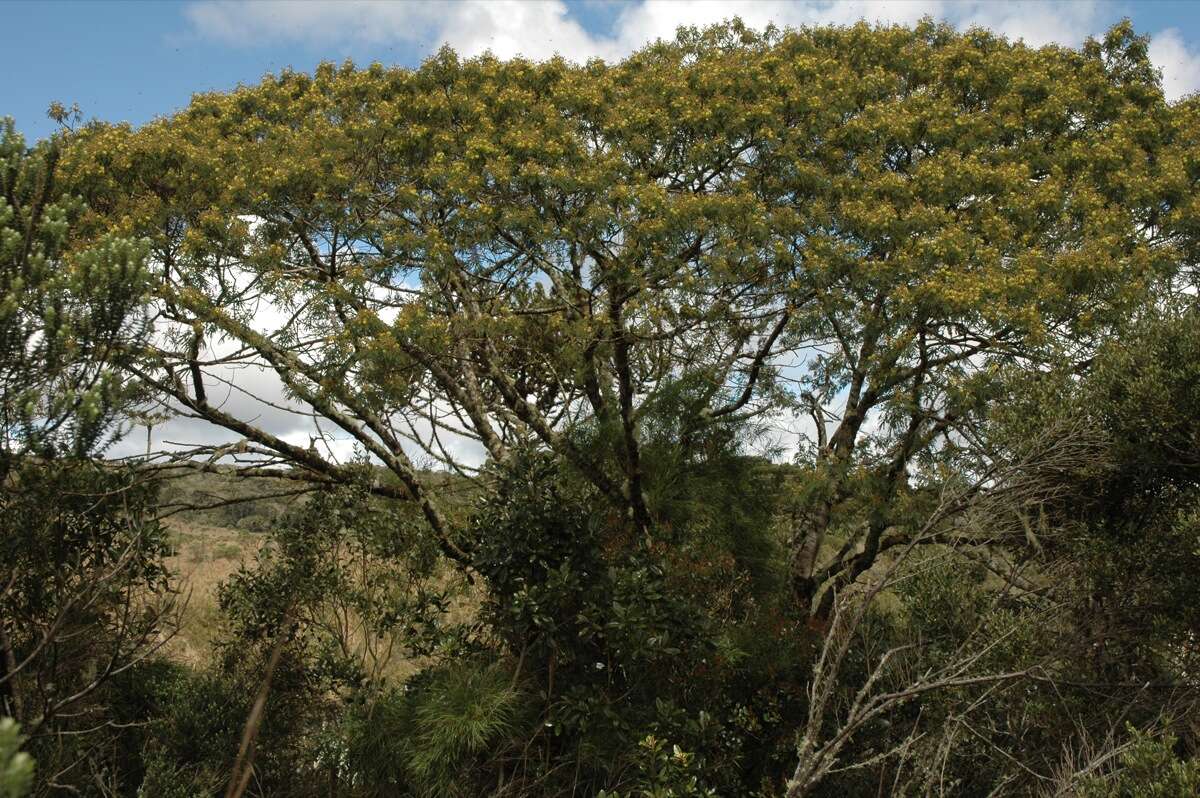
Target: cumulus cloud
pixel 1035 23
pixel 539 29
pixel 658 19
pixel 247 388
pixel 1180 64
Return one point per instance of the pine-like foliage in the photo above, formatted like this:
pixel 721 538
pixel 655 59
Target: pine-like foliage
pixel 68 314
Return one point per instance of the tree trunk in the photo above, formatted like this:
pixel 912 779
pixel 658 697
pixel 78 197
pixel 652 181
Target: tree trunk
pixel 10 701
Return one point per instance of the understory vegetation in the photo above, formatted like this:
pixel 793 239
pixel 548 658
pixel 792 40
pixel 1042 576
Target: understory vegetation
pixel 799 413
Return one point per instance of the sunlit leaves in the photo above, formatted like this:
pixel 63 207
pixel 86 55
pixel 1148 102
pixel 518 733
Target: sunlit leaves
pixel 69 313
pixel 886 188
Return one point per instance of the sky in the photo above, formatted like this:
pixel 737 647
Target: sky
pixel 134 61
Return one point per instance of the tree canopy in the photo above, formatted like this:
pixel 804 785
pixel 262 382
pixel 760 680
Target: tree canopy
pixel 787 396
pixel 864 225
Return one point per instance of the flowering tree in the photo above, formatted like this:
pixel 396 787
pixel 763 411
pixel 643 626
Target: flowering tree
pixel 864 226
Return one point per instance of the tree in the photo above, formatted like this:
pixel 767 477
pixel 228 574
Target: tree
pixel 1088 592
pixel 602 267
pixel 68 315
pixel 83 589
pixel 863 223
pixel 915 669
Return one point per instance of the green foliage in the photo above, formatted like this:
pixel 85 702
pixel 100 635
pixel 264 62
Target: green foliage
pixel 1144 390
pixel 377 733
pixel 590 617
pixel 463 713
pixel 1107 603
pixel 87 598
pixel 665 771
pixel 444 734
pixel 620 640
pixel 67 524
pixel 179 727
pixel 16 767
pixel 1148 768
pixel 86 593
pixel 69 314
pixel 1129 516
pixel 352 583
pixel 899 213
pixel 197 719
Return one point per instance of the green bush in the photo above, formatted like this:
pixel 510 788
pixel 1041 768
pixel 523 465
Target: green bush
pixel 1148 768
pixel 16 767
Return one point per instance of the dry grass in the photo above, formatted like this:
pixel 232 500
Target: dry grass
pixel 205 556
pixel 212 544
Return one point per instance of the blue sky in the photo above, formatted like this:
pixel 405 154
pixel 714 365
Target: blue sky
pixel 133 61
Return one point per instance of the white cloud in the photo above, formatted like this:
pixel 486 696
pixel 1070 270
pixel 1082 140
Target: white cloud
pixel 1040 23
pixel 245 387
pixel 655 19
pixel 1180 65
pixel 539 29
pixel 536 30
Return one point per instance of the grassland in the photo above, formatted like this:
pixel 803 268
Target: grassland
pixel 211 544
